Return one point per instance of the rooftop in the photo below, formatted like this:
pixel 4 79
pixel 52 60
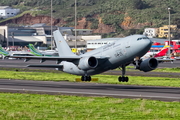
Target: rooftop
pixel 4 7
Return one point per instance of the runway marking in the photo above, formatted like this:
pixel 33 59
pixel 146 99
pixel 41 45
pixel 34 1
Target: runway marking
pixel 87 93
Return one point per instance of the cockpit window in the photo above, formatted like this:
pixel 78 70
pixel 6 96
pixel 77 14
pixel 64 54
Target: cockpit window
pixel 142 38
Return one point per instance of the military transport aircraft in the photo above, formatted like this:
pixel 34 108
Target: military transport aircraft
pixel 118 54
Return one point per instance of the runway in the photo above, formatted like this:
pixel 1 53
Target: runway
pixel 85 89
pixel 90 89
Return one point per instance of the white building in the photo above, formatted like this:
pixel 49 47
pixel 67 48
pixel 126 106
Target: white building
pixel 6 12
pixel 151 32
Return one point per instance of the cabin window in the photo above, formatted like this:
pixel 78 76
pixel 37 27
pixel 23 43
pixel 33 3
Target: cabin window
pixel 139 39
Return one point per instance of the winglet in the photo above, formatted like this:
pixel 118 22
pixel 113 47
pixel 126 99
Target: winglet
pixel 62 46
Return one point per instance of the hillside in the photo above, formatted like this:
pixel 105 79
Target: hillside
pixel 103 16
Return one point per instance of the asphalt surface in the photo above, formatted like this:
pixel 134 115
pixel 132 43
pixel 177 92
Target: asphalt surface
pixel 88 89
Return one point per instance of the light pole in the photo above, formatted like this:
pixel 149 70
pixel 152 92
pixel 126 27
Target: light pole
pixel 12 35
pixel 169 35
pixel 75 26
pixel 51 26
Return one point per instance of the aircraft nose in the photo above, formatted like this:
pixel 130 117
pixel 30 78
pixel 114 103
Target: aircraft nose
pixel 146 44
pixel 141 46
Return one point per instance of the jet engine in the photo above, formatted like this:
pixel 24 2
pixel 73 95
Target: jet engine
pixel 87 63
pixel 148 65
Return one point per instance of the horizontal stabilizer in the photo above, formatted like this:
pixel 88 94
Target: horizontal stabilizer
pixel 47 66
pixel 165 60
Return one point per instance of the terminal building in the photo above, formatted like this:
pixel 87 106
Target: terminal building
pixel 40 34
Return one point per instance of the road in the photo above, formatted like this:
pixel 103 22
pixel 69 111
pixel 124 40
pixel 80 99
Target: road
pixel 86 89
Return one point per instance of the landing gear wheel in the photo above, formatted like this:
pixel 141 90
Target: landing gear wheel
pixel 82 78
pixel 123 79
pixel 86 78
pixel 126 79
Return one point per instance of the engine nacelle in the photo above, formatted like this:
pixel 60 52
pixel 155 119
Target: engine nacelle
pixel 148 65
pixel 87 63
pixel 71 68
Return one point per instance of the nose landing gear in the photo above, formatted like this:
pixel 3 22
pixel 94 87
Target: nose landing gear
pixel 123 78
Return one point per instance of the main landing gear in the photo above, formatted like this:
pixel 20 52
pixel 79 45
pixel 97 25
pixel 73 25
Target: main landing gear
pixel 122 78
pixel 85 78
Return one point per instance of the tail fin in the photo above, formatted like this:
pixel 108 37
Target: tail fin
pixel 34 51
pixel 162 52
pixel 62 46
pixel 3 52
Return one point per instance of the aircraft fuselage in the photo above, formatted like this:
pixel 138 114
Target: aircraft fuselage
pixel 119 52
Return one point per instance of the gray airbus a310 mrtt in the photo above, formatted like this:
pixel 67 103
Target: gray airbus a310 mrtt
pixel 118 54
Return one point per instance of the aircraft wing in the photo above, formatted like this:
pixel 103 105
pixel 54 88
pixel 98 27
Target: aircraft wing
pixel 44 58
pixel 46 66
pixel 57 59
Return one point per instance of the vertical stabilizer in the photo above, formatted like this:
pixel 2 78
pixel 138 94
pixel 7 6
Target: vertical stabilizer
pixel 163 52
pixel 62 46
pixel 3 52
pixel 34 51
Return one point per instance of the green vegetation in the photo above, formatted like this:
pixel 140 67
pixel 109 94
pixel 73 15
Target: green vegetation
pixel 112 12
pixel 175 70
pixel 112 79
pixel 56 107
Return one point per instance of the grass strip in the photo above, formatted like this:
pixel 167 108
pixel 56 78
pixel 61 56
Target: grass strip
pixel 175 70
pixel 110 79
pixel 57 107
